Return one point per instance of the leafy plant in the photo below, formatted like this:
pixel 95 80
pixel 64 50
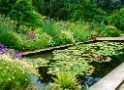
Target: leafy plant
pixel 6 24
pixel 80 30
pixel 108 5
pixel 69 9
pixel 14 73
pixel 8 36
pixel 57 32
pixel 86 10
pixel 110 31
pixel 53 8
pixel 11 39
pixel 22 11
pixel 117 18
pixel 37 40
pixel 100 51
pixel 65 80
pixel 64 61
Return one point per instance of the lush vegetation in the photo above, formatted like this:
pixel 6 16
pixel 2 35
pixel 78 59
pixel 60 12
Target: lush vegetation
pixel 15 71
pixel 77 61
pixel 27 25
pixel 35 24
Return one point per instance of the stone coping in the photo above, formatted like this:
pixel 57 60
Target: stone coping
pixel 111 81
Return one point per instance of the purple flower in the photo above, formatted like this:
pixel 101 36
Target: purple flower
pixel 14 53
pixel 30 35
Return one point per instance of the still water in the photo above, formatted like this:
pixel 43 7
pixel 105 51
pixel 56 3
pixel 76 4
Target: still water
pixel 101 69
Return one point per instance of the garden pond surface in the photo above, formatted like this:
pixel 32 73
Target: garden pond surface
pixel 101 68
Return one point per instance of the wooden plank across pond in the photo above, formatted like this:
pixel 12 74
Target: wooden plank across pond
pixel 110 81
pixel 52 48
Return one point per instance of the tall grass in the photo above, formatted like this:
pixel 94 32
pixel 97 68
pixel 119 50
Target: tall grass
pixel 6 24
pixel 8 37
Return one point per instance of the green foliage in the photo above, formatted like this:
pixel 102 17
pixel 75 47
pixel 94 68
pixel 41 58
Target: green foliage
pixel 99 52
pixel 22 11
pixel 108 5
pixel 66 80
pixel 40 40
pixel 6 6
pixel 64 61
pixel 86 10
pixel 57 9
pixel 109 31
pixel 95 28
pixel 6 24
pixel 69 9
pixel 65 37
pixel 7 35
pixel 14 73
pixel 80 30
pixel 11 39
pixel 117 19
pixel 58 33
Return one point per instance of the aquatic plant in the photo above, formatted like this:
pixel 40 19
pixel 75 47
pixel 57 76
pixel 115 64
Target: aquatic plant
pixel 100 51
pixel 65 62
pixel 66 80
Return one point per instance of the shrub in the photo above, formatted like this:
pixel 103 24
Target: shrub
pixel 38 41
pixel 80 30
pixel 7 35
pixel 110 31
pixel 6 24
pixel 117 19
pixel 58 33
pixel 14 73
pixel 11 39
pixel 86 10
pixel 53 8
pixel 69 9
pixel 22 11
pixel 64 37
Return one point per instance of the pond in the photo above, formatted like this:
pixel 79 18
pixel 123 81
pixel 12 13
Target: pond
pixel 111 58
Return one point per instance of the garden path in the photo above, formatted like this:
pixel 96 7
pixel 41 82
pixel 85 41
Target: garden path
pixel 121 38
